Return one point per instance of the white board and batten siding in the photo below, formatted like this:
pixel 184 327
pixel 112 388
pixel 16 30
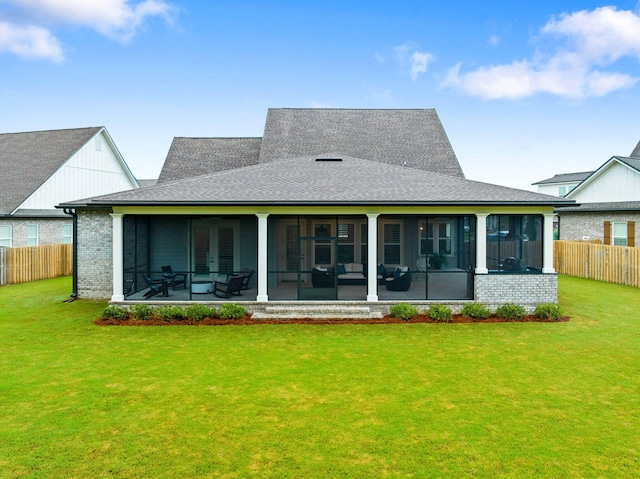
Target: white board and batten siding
pixel 95 169
pixel 617 183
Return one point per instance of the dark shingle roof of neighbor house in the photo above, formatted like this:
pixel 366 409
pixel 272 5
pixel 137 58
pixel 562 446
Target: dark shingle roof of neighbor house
pixel 412 137
pixel 191 157
pixel 631 162
pixel 29 159
pixel 308 181
pixel 595 207
pixel 565 178
pixel 147 182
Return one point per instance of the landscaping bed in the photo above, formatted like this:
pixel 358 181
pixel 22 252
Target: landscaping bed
pixel 248 320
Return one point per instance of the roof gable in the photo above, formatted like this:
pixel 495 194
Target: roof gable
pixel 28 159
pixel 307 181
pixel 565 178
pixel 613 181
pixel 414 138
pixel 191 157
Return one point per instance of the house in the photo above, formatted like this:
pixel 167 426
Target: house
pixel 561 184
pixel 608 204
pixel 41 169
pixel 329 204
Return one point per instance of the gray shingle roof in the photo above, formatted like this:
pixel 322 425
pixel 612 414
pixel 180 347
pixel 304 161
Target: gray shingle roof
pixel 28 159
pixel 636 151
pixel 390 136
pixel 632 162
pixel 596 207
pixel 565 178
pixel 190 157
pixel 306 181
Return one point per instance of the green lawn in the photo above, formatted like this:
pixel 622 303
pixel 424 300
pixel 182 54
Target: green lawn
pixel 517 400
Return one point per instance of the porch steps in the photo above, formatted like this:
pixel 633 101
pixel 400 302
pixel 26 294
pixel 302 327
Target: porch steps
pixel 329 311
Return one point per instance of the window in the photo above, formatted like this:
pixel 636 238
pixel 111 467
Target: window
pixel 346 243
pixel 67 234
pixel 562 190
pixel 435 236
pixel 32 235
pixel 323 247
pixel 619 234
pixel 392 244
pixel 364 254
pixel 5 236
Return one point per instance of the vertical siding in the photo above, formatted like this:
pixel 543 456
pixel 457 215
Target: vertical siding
pixel 616 183
pixel 87 173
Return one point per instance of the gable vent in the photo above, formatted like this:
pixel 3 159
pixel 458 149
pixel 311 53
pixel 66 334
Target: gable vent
pixel 328 159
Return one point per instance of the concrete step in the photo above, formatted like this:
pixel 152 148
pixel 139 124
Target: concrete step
pixel 319 312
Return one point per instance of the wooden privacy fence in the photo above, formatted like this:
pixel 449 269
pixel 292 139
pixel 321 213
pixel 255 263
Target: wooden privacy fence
pixel 21 265
pixel 613 264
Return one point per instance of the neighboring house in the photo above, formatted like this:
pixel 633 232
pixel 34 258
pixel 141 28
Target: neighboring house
pixel 41 169
pixel 561 184
pixel 322 207
pixel 608 204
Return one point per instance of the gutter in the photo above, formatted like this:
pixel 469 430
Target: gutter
pixel 74 293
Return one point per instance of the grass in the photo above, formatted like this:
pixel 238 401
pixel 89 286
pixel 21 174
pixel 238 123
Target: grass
pixel 290 401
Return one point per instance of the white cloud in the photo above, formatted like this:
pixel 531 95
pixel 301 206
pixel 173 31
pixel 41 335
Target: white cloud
pixel 416 62
pixel 494 40
pixel 117 19
pixel 419 63
pixel 590 41
pixel 29 42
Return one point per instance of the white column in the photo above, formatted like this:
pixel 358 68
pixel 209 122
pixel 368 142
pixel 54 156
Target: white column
pixel 118 257
pixel 372 257
pixel 262 257
pixel 547 244
pixel 481 243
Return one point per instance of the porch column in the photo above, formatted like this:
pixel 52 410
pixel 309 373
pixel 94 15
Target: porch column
pixel 262 257
pixel 481 243
pixel 547 244
pixel 372 257
pixel 118 257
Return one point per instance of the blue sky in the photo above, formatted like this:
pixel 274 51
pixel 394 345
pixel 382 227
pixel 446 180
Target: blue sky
pixel 524 89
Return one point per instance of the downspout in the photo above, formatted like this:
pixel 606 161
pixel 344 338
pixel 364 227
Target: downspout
pixel 74 293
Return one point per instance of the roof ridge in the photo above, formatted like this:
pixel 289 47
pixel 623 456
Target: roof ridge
pixel 53 131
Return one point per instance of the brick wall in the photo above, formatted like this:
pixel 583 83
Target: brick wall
pixel 50 230
pixel 573 226
pixel 94 245
pixel 527 290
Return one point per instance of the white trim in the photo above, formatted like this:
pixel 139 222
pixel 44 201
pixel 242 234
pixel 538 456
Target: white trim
pixel 262 257
pixel 372 257
pixel 547 244
pixel 118 257
pixel 481 243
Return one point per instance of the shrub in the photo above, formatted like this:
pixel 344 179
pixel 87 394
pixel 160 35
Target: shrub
pixel 548 311
pixel 115 312
pixel 403 311
pixel 511 311
pixel 231 311
pixel 476 311
pixel 169 312
pixel 197 312
pixel 142 312
pixel 440 312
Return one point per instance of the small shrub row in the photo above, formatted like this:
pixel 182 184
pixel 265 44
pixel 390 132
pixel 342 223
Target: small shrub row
pixel 172 312
pixel 441 312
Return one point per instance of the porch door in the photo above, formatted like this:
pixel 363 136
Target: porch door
pixel 215 249
pixel 289 255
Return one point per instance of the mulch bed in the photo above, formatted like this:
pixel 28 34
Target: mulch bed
pixel 248 320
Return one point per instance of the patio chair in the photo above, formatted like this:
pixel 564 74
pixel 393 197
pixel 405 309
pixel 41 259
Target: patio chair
pixel 400 281
pixel 322 277
pixel 510 264
pixel 174 279
pixel 246 274
pixel 156 286
pixel 233 286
